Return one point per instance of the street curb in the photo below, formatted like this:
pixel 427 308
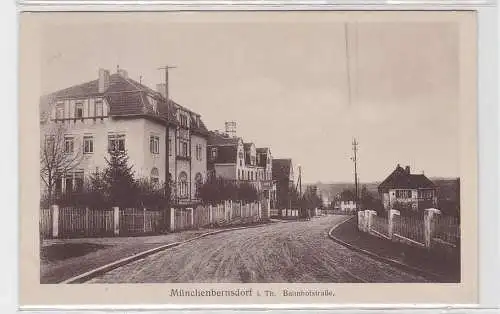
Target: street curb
pixel 406 267
pixel 121 262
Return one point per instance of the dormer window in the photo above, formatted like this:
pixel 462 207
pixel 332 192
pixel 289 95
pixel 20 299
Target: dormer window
pixel 60 111
pixel 183 120
pixel 99 110
pixel 79 110
pixel 153 103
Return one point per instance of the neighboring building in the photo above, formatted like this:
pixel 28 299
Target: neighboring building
pixel 265 175
pixel 282 170
pixel 403 189
pixel 346 201
pixel 163 140
pixel 232 159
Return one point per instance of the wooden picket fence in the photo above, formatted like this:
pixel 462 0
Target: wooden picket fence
pixel 85 222
pixel 447 229
pixel 410 227
pixel 381 225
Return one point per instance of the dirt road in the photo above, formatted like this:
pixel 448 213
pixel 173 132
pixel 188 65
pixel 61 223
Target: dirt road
pixel 285 252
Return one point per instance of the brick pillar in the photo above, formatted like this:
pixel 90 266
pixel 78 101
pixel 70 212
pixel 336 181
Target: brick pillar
pixel 116 220
pixel 391 216
pixel 55 221
pixel 429 221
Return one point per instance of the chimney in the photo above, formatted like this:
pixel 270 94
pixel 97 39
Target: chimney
pixel 103 80
pixel 407 169
pixel 230 128
pixel 162 89
pixel 123 73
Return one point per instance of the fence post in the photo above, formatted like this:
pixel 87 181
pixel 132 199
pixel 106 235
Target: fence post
pixel 210 214
pixel 371 213
pixel 116 220
pixel 429 220
pixel 361 220
pixel 87 222
pixel 55 221
pixel 144 220
pixel 192 217
pixel 172 219
pixel 392 214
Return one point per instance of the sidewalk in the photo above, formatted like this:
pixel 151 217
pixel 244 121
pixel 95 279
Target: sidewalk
pixel 448 269
pixel 61 259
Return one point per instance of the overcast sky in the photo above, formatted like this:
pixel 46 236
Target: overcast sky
pixel 285 84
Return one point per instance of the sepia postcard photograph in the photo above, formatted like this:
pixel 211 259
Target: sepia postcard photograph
pixel 248 157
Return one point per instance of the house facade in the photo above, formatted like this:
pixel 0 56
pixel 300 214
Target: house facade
pixel 346 201
pixel 232 159
pixel 282 172
pixel 165 142
pixel 403 190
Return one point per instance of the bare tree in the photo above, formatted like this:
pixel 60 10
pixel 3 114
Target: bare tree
pixel 58 155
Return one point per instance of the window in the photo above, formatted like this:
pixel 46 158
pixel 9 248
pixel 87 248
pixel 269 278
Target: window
pixel 214 153
pixel 88 144
pixel 170 148
pixel 153 103
pixel 79 110
pixel 183 185
pixel 49 143
pixel 198 179
pixel 239 174
pixel 183 120
pixel 425 194
pixel 252 160
pixel 154 144
pixel 69 182
pixel 69 145
pixel 78 185
pixel 251 175
pixel 155 180
pixel 116 142
pixel 60 111
pixel 183 149
pixel 99 108
pixel 199 155
pixel 403 193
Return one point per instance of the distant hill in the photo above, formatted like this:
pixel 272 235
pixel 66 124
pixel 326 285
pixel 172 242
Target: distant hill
pixel 448 188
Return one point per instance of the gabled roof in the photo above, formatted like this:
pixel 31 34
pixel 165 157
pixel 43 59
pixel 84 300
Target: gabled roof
pixel 219 139
pixel 281 169
pixel 126 97
pixel 402 179
pixel 347 195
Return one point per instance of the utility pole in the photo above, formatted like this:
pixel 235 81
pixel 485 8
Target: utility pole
pixel 168 175
pixel 355 160
pixel 300 180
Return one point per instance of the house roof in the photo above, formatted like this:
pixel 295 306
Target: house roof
pixel 347 195
pixel 403 179
pixel 219 139
pixel 281 169
pixel 227 147
pixel 126 97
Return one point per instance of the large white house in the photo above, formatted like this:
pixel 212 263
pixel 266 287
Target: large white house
pixel 162 139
